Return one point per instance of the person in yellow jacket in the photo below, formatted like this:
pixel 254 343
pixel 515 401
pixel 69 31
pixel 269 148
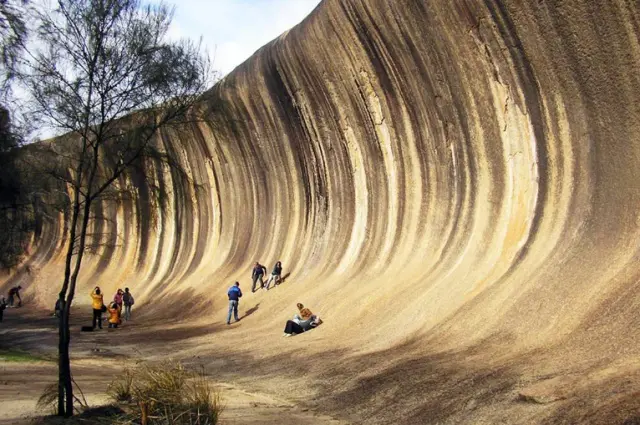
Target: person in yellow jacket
pixel 97 304
pixel 114 314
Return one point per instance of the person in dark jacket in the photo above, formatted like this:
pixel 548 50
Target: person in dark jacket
pixel 275 275
pixel 3 305
pixel 258 272
pixel 234 294
pixel 127 300
pixel 15 293
pixel 57 309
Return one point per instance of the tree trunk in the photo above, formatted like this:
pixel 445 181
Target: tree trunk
pixel 65 385
pixel 65 342
pixel 66 362
pixel 62 364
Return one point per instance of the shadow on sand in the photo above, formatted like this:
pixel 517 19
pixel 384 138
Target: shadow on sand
pixel 251 311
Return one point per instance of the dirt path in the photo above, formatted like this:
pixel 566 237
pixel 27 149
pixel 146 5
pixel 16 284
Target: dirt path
pixel 22 382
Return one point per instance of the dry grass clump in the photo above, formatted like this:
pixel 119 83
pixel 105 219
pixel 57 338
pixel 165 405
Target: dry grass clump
pixel 120 389
pixel 48 400
pixel 168 394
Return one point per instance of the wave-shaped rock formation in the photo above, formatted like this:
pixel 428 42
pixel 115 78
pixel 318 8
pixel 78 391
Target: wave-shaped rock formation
pixel 453 185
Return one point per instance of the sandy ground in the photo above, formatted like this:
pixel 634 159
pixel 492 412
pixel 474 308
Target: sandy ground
pixel 94 365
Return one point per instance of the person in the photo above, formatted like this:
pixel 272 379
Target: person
pixel 97 303
pixel 258 272
pixel 117 298
pixel 57 310
pixel 304 321
pixel 234 294
pixel 3 305
pixel 127 300
pixel 275 275
pixel 114 315
pixel 15 292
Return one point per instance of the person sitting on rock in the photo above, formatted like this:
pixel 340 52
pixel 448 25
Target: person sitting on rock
pixel 304 321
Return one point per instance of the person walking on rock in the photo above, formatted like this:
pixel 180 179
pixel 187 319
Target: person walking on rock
pixel 15 293
pixel 234 294
pixel 127 300
pixel 97 303
pixel 275 275
pixel 258 272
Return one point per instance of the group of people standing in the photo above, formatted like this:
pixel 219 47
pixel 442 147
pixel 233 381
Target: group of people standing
pixel 114 308
pixel 304 321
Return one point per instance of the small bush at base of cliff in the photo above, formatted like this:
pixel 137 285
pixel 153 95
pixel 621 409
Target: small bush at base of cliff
pixel 120 389
pixel 167 393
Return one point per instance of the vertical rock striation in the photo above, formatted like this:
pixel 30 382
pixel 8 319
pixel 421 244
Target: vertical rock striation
pixel 451 171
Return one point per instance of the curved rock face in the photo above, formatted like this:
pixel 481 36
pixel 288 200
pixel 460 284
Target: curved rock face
pixel 434 175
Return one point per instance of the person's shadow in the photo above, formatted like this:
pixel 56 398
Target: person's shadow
pixel 251 311
pixel 283 278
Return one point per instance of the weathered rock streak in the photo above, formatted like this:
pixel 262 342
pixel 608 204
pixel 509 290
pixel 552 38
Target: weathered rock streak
pixel 424 169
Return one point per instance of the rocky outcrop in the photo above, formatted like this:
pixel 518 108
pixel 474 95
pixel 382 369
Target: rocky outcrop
pixel 461 172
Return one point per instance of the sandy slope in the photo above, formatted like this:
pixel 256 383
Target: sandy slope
pixel 97 362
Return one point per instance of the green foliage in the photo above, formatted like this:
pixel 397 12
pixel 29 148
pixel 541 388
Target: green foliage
pixel 104 74
pixel 16 199
pixel 13 33
pixel 19 356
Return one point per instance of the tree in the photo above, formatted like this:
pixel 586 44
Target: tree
pixel 97 61
pixel 13 33
pixel 16 218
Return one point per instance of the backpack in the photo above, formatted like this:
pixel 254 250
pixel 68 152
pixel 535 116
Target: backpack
pixel 127 298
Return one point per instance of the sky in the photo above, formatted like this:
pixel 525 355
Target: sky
pixel 232 30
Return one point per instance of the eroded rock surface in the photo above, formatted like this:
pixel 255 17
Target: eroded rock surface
pixel 456 182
